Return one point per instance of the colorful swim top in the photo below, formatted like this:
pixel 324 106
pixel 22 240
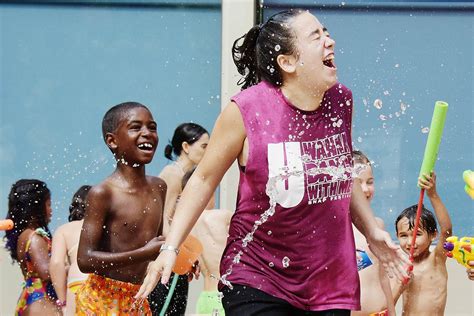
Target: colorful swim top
pixel 302 246
pixel 34 288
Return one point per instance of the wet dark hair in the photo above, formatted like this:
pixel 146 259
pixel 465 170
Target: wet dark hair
pixel 77 209
pixel 186 132
pixel 116 114
pixel 427 219
pixel 256 57
pixel 359 157
pixel 26 205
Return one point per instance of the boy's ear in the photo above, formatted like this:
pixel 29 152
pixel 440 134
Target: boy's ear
pixel 287 63
pixel 111 141
pixel 185 147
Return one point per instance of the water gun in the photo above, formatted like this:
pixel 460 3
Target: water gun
pixel 6 224
pixel 462 250
pixel 468 176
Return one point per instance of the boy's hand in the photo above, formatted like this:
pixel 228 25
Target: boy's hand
pixel 470 271
pixel 160 268
pixel 391 256
pixel 195 272
pixel 428 182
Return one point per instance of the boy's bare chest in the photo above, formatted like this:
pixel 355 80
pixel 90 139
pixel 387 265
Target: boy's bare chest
pixel 427 290
pixel 136 216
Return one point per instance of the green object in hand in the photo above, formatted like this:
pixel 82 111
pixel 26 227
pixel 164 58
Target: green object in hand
pixel 434 137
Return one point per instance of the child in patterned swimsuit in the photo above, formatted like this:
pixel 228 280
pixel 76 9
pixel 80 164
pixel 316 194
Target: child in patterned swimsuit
pixel 29 243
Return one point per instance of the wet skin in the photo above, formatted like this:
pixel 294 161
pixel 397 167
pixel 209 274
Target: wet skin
pixel 124 213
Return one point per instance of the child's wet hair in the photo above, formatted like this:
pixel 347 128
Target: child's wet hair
pixel 77 209
pixel 359 157
pixel 116 114
pixel 427 219
pixel 256 57
pixel 186 132
pixel 26 205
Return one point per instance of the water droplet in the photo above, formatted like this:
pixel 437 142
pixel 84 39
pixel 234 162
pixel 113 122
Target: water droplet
pixel 378 104
pixel 425 130
pixel 269 232
pixel 286 262
pixel 359 139
pixel 271 264
pixel 277 48
pixel 403 107
pixel 382 117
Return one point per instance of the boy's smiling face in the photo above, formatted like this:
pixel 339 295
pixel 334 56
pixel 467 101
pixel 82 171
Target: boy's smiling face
pixel 135 139
pixel 405 236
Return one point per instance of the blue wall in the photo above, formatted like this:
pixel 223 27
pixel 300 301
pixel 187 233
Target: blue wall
pixel 412 54
pixel 63 66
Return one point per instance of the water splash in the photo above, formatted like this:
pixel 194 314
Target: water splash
pixel 378 104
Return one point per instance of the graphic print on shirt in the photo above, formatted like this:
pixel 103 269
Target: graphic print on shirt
pixel 326 163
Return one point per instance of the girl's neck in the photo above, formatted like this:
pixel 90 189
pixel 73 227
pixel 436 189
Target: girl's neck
pixel 33 225
pixel 300 97
pixel 184 163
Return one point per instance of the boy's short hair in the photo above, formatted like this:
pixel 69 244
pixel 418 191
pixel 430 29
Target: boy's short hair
pixel 427 219
pixel 116 114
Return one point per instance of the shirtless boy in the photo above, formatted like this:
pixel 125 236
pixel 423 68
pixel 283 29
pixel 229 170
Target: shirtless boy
pixel 124 217
pixel 426 292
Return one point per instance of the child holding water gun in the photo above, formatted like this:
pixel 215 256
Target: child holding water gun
pixel 426 291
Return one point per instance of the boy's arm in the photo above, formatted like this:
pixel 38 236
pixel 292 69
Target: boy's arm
pixel 442 215
pixel 57 265
pixel 387 291
pixel 397 289
pixel 391 257
pixel 90 259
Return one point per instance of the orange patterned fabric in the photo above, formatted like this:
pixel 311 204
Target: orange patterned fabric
pixel 75 286
pixel 382 313
pixel 107 297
